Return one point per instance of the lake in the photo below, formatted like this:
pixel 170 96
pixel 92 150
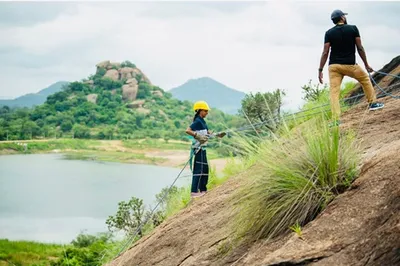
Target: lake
pixel 46 198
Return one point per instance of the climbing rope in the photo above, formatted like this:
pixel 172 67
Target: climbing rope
pixel 380 88
pixel 388 74
pixel 130 239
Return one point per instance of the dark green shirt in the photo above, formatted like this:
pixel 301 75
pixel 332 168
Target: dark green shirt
pixel 343 44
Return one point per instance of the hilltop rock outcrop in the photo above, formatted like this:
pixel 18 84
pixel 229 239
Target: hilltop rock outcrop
pixel 129 74
pixel 118 71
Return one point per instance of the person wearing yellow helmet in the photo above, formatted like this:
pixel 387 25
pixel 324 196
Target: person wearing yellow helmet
pixel 199 130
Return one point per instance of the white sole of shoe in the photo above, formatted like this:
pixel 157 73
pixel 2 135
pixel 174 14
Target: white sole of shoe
pixel 376 108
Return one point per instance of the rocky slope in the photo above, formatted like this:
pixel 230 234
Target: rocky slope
pixel 360 227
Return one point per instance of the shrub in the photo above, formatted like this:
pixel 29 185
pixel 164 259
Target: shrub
pixel 298 174
pixel 127 64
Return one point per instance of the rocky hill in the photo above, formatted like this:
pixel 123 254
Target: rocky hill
pixel 117 102
pixel 359 227
pixel 215 93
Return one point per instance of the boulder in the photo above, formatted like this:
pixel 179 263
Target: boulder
pixel 103 64
pixel 143 110
pixel 162 113
pixel 114 65
pixel 133 80
pixel 129 91
pixel 157 93
pixel 92 98
pixel 136 104
pixel 90 82
pixel 137 71
pixel 127 72
pixel 112 74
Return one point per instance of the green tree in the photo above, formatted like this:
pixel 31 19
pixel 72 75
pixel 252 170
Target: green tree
pixel 128 218
pixel 51 119
pixel 81 131
pixel 144 90
pixel 48 131
pixel 57 97
pixel 4 110
pixel 77 86
pixel 107 83
pixel 127 64
pixel 66 125
pixel 86 240
pixel 263 107
pixel 63 106
pixel 85 250
pixel 312 92
pixel 29 130
pixel 106 133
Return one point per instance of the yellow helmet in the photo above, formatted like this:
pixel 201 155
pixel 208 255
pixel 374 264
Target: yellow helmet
pixel 200 105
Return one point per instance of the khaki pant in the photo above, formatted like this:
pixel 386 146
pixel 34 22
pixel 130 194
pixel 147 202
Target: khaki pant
pixel 336 74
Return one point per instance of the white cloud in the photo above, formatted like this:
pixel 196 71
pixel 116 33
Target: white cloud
pixel 247 46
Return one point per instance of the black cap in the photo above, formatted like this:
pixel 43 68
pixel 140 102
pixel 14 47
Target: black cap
pixel 337 14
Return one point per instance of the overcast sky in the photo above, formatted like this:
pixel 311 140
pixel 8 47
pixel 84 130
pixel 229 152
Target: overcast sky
pixel 248 46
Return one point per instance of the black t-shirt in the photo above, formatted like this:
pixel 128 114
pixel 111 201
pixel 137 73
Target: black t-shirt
pixel 343 44
pixel 199 125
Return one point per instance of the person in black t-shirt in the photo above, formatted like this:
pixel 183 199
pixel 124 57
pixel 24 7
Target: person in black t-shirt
pixel 342 41
pixel 199 130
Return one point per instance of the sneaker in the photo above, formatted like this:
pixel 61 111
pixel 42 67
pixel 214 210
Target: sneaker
pixel 375 106
pixel 195 194
pixel 203 192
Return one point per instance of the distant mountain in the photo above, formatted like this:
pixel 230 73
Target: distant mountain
pixel 216 94
pixel 32 99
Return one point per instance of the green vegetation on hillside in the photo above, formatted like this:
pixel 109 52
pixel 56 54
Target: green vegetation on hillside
pixel 84 250
pixel 28 253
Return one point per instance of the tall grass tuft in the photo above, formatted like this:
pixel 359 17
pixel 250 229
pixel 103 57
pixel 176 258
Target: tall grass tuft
pixel 299 173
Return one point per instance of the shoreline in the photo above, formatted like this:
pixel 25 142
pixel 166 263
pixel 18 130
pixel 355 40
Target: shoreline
pixel 146 151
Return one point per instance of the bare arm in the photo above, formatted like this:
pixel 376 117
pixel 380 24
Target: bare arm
pixel 363 55
pixel 322 62
pixel 324 55
pixel 190 132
